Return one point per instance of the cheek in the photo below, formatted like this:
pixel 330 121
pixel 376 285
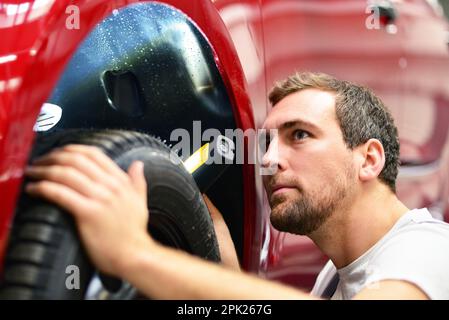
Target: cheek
pixel 318 168
pixel 337 169
pixel 307 163
pixel 320 163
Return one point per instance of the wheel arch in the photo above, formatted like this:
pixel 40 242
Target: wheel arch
pixel 48 56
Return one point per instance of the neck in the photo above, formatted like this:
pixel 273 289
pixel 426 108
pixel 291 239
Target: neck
pixel 353 230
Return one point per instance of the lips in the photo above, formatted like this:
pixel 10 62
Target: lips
pixel 281 188
pixel 278 185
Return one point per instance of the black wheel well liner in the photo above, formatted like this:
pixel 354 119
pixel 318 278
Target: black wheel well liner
pixel 148 68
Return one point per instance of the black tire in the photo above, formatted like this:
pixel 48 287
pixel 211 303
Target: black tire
pixel 44 239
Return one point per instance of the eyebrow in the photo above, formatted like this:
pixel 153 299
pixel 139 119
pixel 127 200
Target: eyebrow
pixel 299 122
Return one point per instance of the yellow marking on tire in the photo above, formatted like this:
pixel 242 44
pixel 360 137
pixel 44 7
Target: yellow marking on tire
pixel 197 159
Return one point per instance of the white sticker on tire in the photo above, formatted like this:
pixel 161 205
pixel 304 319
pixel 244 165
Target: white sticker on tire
pixel 48 117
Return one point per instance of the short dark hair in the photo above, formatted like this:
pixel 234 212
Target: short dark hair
pixel 360 113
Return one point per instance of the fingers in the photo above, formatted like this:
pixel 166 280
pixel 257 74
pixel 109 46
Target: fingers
pixel 226 245
pixel 137 176
pixel 214 212
pixel 109 204
pixel 87 172
pixel 209 203
pixel 99 157
pixel 69 177
pixel 62 195
pixel 88 161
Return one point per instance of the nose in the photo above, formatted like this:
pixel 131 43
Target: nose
pixel 270 159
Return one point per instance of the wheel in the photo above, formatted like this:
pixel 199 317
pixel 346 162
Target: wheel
pixel 44 252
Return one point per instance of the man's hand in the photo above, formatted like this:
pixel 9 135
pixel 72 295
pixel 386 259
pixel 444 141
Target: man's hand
pixel 108 204
pixel 110 208
pixel 227 249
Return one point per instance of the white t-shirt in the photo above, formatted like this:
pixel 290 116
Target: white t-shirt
pixel 416 250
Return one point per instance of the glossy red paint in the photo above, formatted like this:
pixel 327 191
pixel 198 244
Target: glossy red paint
pixel 255 43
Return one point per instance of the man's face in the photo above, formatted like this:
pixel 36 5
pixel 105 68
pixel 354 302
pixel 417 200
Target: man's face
pixel 315 174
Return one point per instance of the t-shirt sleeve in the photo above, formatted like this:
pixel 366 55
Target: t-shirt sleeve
pixel 418 254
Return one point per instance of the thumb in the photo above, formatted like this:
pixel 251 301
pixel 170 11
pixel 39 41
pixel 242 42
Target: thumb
pixel 136 173
pixel 214 212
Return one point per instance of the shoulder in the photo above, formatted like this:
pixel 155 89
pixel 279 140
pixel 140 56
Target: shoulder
pixel 418 253
pixel 418 235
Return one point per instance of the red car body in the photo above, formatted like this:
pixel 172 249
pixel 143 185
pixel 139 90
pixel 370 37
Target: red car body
pixel 403 56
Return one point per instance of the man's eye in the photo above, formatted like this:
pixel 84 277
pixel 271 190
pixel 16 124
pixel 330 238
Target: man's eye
pixel 300 134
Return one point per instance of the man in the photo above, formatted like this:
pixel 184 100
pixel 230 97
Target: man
pixel 336 160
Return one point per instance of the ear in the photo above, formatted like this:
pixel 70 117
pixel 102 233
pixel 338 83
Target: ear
pixel 373 160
